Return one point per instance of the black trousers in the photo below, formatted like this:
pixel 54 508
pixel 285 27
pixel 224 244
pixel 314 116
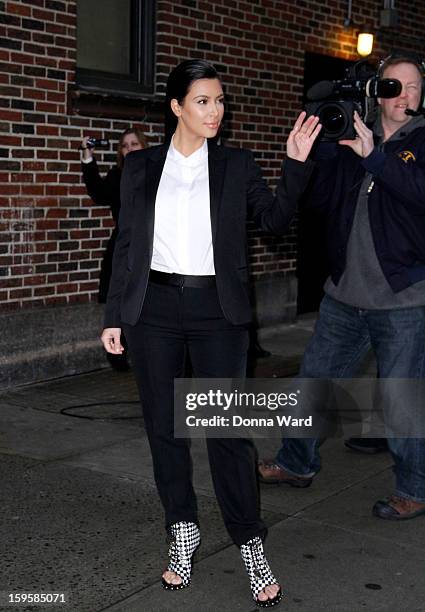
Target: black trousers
pixel 174 320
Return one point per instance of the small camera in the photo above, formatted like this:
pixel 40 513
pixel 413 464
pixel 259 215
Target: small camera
pixel 97 142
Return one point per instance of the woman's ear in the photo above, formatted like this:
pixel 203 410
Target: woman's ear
pixel 175 107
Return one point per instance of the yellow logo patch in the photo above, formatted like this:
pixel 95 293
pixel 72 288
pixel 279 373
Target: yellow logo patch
pixel 407 156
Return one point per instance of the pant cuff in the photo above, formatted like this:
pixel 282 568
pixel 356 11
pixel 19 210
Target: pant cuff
pixel 239 539
pixel 419 500
pixel 182 519
pixel 284 467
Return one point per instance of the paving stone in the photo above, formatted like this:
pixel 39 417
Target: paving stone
pixel 93 536
pixel 43 435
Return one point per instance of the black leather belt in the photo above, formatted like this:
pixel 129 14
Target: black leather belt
pixel 181 280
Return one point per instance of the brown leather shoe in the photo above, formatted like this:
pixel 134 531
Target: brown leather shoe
pixel 271 473
pixel 398 508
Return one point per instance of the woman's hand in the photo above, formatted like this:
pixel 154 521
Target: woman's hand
pixel 111 340
pixel 87 151
pixel 363 145
pixel 302 137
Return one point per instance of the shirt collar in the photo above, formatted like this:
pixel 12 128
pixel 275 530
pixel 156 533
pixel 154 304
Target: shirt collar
pixel 193 160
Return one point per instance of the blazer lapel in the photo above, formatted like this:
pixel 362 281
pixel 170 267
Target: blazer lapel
pixel 216 172
pixel 154 166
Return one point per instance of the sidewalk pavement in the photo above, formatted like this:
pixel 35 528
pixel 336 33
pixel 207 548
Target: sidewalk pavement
pixel 80 514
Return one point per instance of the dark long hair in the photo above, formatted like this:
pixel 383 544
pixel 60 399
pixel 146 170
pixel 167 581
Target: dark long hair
pixel 179 82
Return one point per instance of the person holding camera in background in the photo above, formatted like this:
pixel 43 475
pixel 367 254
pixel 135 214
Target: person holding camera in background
pixel 106 192
pixel 372 191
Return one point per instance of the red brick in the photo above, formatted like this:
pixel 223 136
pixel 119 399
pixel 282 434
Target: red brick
pixel 18 9
pixel 21 177
pixel 12 141
pixel 47 84
pixel 54 28
pixel 67 19
pixel 43 291
pixel 22 58
pixel 46 177
pixel 8 189
pixel 47 224
pixel 32 189
pixel 67 288
pixel 46 246
pixel 56 213
pixel 33 166
pixel 33 94
pixel 56 190
pixel 43 15
pixel 47 154
pixel 10 282
pixel 88 286
pixel 47 130
pixel 21 270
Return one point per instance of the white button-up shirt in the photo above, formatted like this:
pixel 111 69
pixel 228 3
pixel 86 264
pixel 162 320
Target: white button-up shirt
pixel 182 240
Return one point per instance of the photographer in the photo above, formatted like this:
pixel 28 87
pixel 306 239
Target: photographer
pixel 373 194
pixel 106 192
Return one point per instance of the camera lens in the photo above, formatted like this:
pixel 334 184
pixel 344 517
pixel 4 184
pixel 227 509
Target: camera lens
pixel 334 119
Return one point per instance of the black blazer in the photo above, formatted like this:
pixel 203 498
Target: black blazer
pixel 237 193
pixel 103 191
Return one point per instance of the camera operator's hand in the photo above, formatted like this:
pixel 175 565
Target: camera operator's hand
pixel 87 151
pixel 302 137
pixel 363 144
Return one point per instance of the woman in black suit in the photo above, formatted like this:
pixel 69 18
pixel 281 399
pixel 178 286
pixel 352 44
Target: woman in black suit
pixel 180 282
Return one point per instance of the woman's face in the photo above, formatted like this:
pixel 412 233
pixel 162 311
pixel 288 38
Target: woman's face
pixel 130 143
pixel 201 111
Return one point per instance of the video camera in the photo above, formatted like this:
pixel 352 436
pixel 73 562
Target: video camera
pixel 95 142
pixel 334 102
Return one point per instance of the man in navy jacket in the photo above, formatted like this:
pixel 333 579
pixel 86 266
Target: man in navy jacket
pixel 373 195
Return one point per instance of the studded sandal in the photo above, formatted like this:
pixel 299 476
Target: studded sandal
pixel 259 572
pixel 185 539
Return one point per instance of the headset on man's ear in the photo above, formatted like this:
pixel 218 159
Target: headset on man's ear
pixel 411 58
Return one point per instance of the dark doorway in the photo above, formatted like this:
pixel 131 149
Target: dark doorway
pixel 312 268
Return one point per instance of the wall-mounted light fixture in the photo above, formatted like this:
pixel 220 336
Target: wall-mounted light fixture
pixel 364 43
pixel 364 37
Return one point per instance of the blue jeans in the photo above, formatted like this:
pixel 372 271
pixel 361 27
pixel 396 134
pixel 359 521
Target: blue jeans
pixel 342 336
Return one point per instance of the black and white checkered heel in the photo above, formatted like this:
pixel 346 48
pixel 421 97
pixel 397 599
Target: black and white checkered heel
pixel 259 572
pixel 185 539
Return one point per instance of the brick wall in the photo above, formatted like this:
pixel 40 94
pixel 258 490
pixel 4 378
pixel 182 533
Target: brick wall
pixel 52 238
